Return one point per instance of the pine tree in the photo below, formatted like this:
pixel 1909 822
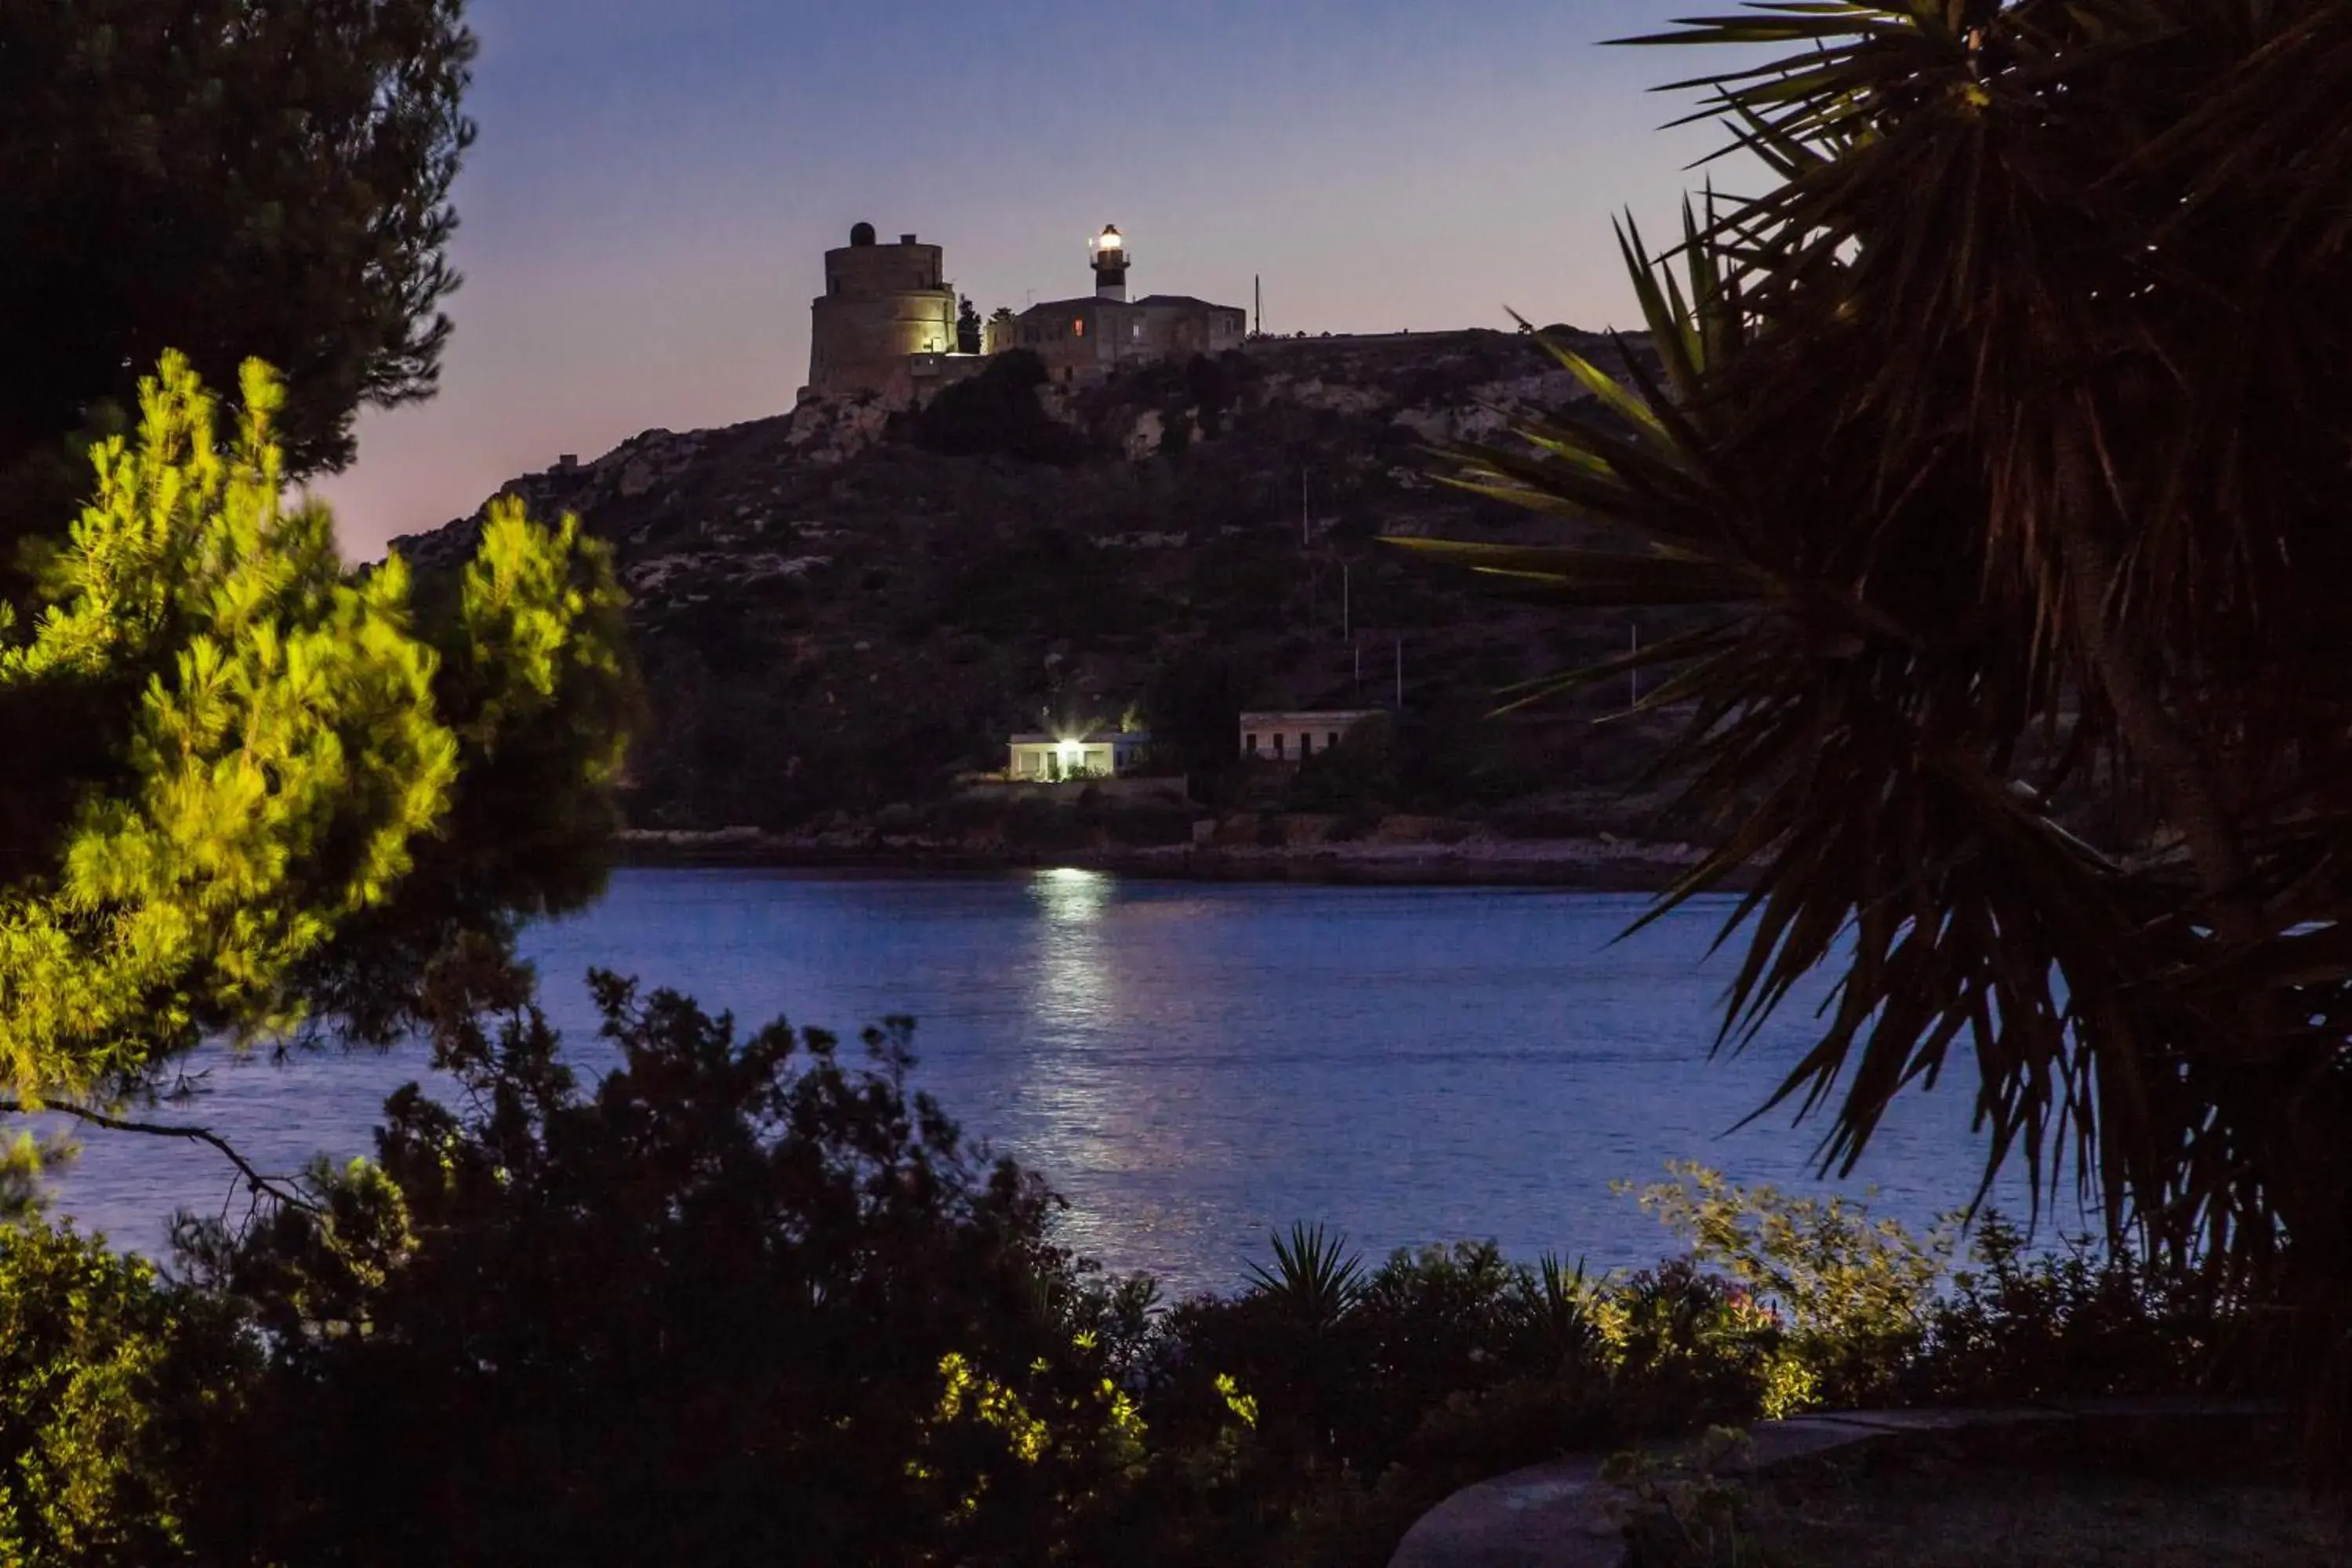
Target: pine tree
pixel 248 786
pixel 228 178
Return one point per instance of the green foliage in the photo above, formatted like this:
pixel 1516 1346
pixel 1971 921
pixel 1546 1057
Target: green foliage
pixel 25 1161
pixel 232 179
pixel 107 1378
pixel 1314 1280
pixel 281 747
pixel 1852 1295
pixel 232 750
pixel 1359 775
pixel 2019 1325
pixel 738 1300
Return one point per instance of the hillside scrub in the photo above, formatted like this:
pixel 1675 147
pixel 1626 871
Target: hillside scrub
pixel 829 624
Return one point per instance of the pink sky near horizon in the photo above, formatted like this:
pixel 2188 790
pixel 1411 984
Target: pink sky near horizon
pixel 645 215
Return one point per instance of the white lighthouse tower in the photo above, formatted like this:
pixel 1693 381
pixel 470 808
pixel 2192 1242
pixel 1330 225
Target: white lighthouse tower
pixel 1110 258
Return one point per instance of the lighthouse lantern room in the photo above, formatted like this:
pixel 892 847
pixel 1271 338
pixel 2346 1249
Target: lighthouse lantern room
pixel 1109 250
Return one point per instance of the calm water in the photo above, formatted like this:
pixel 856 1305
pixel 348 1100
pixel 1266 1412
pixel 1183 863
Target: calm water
pixel 1191 1064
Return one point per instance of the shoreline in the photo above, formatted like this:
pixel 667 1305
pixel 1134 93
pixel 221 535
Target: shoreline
pixel 1600 864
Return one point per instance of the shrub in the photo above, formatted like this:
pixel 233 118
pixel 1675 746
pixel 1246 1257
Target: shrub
pixel 997 414
pixel 2083 1321
pixel 1848 1296
pixel 738 1300
pixel 108 1376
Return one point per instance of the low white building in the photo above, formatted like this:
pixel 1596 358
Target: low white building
pixel 1057 759
pixel 1296 736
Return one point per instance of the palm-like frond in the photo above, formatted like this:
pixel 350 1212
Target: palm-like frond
pixel 1997 454
pixel 1315 1278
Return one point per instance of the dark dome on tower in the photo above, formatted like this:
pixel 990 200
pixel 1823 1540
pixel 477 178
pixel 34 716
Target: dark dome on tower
pixel 862 233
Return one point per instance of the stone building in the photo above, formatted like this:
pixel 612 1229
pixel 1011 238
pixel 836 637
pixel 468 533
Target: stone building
pixel 1085 338
pixel 1294 736
pixel 886 320
pixel 885 325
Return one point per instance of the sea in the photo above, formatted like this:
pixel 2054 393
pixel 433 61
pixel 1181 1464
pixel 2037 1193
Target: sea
pixel 1191 1066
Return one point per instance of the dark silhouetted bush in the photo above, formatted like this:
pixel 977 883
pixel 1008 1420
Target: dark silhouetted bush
pixel 997 414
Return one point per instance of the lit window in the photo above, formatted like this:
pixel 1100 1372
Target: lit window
pixel 1080 326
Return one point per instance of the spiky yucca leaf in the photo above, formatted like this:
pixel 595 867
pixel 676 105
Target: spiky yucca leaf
pixel 1315 1278
pixel 2002 444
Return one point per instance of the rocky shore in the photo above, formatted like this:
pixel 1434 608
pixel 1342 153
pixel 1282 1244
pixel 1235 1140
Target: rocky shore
pixel 1602 863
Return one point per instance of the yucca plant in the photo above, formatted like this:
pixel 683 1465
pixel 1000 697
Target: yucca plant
pixel 1315 1279
pixel 2001 451
pixel 1557 1309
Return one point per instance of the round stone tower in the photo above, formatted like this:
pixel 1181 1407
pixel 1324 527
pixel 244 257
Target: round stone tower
pixel 1108 251
pixel 882 304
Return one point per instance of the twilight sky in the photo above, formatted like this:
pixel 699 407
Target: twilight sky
pixel 646 212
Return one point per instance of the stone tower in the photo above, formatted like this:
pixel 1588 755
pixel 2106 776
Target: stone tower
pixel 882 305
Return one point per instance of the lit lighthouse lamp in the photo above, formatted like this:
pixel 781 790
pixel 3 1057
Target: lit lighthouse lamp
pixel 1108 249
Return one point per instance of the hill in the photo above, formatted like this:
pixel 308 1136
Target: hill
pixel 841 610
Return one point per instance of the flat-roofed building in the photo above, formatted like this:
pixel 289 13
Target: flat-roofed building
pixel 1059 758
pixel 1295 736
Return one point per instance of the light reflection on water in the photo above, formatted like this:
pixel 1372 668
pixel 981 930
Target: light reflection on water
pixel 1191 1064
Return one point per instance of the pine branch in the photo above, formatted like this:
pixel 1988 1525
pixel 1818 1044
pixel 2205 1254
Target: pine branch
pixel 253 1180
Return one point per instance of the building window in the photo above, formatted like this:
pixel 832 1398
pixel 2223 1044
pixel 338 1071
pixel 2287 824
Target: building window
pixel 1330 740
pixel 1305 744
pixel 1080 326
pixel 1278 746
pixel 1249 743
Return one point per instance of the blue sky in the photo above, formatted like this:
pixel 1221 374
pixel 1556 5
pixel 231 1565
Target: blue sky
pixel 646 212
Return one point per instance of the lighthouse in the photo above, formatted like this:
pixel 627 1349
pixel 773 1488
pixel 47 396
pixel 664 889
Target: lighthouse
pixel 1110 258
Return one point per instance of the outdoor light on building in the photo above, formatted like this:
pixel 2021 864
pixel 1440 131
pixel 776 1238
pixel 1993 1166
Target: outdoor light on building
pixel 1070 754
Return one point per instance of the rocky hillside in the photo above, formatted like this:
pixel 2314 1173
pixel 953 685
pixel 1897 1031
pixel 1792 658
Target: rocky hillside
pixel 842 609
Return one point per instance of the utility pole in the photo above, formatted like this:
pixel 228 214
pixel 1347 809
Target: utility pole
pixel 1345 604
pixel 1400 656
pixel 1257 300
pixel 1358 650
pixel 1302 508
pixel 1635 674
